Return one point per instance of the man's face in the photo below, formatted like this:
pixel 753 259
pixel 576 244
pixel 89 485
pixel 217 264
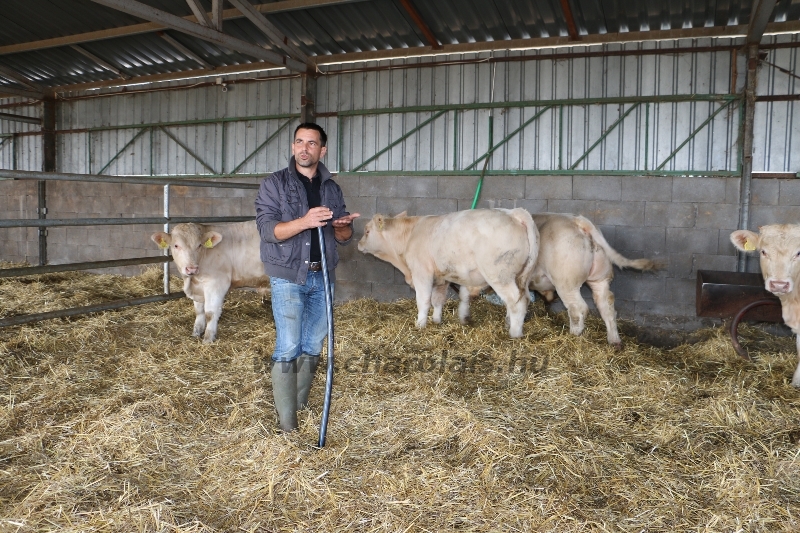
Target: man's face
pixel 307 148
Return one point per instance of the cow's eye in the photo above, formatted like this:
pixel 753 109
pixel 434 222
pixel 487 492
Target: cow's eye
pixel 175 246
pixel 763 253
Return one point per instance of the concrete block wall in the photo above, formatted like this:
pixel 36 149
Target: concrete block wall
pixel 683 221
pixel 69 199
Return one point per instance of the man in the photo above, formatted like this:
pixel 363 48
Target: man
pixel 291 204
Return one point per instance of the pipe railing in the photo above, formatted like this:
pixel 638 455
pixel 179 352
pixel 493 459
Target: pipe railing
pixel 68 267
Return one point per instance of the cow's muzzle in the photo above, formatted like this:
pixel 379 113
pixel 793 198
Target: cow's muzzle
pixel 191 270
pixel 779 286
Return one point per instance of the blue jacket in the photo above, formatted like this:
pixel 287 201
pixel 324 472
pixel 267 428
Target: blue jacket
pixel 282 198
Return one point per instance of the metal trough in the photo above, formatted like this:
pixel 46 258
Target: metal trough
pixel 736 295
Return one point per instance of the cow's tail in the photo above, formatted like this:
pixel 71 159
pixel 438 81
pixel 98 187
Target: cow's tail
pixel 617 258
pixel 524 217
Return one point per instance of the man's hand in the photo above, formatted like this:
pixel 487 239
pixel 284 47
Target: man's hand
pixel 316 217
pixel 342 230
pixel 345 220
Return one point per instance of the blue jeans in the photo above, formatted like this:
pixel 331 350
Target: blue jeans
pixel 301 317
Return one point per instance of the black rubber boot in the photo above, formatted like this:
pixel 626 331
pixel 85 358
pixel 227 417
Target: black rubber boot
pixel 284 391
pixel 306 368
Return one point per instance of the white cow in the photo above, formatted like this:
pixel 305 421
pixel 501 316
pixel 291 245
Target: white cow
pixel 212 260
pixel 474 248
pixel 779 248
pixel 572 251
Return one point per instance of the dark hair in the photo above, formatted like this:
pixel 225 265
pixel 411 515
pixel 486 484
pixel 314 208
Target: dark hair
pixel 323 137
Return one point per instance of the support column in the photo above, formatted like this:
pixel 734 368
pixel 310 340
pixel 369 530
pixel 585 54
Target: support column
pixel 308 97
pixel 49 165
pixel 747 145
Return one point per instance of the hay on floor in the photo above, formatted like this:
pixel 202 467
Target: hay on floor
pixel 121 421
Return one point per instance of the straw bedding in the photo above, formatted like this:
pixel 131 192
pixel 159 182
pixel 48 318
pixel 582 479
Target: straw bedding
pixel 122 421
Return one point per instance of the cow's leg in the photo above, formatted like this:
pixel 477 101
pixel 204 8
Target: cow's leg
pixel 576 307
pixel 516 305
pixel 604 300
pixel 199 318
pixel 215 296
pixel 438 298
pixel 796 378
pixel 424 289
pixel 463 306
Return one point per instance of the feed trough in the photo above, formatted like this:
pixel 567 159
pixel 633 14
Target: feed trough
pixel 738 296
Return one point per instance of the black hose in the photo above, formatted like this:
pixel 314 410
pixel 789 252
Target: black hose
pixel 323 428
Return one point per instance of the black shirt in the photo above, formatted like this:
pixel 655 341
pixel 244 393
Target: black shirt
pixel 313 196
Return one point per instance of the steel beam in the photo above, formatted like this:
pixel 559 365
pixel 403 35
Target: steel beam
pixel 73 311
pixel 572 29
pixel 217 14
pixel 20 118
pixel 276 37
pixel 53 222
pixel 144 11
pixel 185 51
pixel 141 180
pixel 187 149
pixel 421 24
pixel 759 18
pixel 308 98
pixel 747 146
pixel 103 63
pixel 13 91
pixel 200 14
pixel 91 265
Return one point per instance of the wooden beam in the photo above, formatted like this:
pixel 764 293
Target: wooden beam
pixel 200 13
pixel 149 27
pixel 572 29
pixel 146 12
pixel 275 35
pixel 421 24
pixel 759 18
pixel 185 51
pixel 106 65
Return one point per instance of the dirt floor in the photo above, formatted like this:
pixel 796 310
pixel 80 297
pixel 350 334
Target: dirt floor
pixel 121 421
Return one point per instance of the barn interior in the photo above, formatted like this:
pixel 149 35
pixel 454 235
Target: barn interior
pixel 669 125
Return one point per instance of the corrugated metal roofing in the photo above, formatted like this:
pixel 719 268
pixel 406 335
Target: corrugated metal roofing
pixel 326 28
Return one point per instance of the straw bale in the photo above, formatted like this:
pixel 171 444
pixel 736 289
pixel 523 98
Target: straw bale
pixel 121 421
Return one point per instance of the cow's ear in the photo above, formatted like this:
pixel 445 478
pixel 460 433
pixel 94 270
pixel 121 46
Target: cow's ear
pixel 161 239
pixel 379 220
pixel 401 215
pixel 211 239
pixel 744 240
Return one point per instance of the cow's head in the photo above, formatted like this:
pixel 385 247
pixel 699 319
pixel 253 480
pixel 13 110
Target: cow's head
pixel 375 240
pixel 187 243
pixel 778 246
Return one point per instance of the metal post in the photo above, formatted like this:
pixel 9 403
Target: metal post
pixel 747 146
pixel 166 229
pixel 49 165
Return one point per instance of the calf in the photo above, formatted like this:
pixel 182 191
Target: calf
pixel 572 251
pixel 778 246
pixel 474 248
pixel 212 260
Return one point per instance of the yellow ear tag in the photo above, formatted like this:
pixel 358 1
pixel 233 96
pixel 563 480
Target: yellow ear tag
pixel 749 246
pixel 209 244
pixel 163 244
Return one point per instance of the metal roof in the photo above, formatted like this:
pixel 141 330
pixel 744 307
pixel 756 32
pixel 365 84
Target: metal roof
pixel 67 45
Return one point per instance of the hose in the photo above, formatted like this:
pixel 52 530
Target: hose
pixel 326 406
